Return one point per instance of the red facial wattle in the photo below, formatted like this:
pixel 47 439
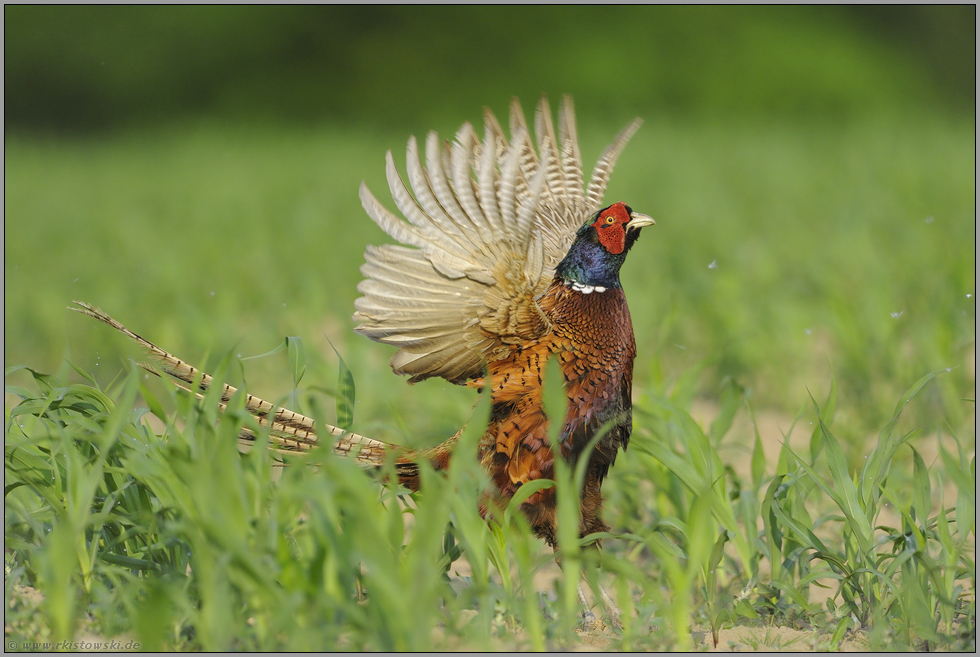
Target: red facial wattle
pixel 611 227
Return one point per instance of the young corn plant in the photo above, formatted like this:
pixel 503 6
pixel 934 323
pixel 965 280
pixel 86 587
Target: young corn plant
pixel 711 509
pixel 886 576
pixel 144 522
pixel 195 540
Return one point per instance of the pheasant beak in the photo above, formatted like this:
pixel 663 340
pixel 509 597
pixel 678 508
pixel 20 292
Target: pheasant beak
pixel 638 220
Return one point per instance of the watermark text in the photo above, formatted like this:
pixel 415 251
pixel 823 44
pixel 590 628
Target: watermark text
pixel 71 645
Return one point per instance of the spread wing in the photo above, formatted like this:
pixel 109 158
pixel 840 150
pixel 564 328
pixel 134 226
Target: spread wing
pixel 488 222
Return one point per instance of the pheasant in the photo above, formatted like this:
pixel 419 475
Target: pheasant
pixel 507 260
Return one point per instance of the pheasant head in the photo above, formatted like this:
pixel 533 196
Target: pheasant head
pixel 600 248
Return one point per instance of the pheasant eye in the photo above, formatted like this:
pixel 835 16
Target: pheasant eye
pixel 610 220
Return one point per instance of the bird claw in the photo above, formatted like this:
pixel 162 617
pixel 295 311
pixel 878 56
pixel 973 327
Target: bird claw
pixel 591 622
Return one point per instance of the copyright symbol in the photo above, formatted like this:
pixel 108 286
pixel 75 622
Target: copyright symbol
pixel 11 645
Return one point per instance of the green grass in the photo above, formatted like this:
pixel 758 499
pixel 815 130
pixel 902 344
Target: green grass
pixel 215 240
pixel 175 538
pixel 212 237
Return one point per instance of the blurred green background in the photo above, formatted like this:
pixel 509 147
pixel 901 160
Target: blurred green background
pixel 194 171
pixel 73 68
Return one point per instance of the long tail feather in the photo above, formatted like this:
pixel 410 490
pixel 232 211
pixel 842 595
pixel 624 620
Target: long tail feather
pixel 289 431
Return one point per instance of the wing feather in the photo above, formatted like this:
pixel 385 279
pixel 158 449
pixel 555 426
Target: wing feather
pixel 528 156
pixel 544 128
pixel 487 223
pixel 446 263
pixel 463 185
pixel 488 184
pixel 440 184
pixel 426 198
pixel 499 138
pixel 527 215
pixel 409 207
pixel 603 168
pixel 571 158
pixel 508 188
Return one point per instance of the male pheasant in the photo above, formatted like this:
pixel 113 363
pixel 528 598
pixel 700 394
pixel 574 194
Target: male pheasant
pixel 507 259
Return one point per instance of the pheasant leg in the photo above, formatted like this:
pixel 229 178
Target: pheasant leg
pixel 615 615
pixel 589 621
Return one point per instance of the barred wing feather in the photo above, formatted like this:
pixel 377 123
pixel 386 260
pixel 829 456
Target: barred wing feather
pixel 487 223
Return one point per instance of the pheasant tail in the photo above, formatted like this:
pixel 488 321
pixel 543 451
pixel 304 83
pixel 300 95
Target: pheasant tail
pixel 288 431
